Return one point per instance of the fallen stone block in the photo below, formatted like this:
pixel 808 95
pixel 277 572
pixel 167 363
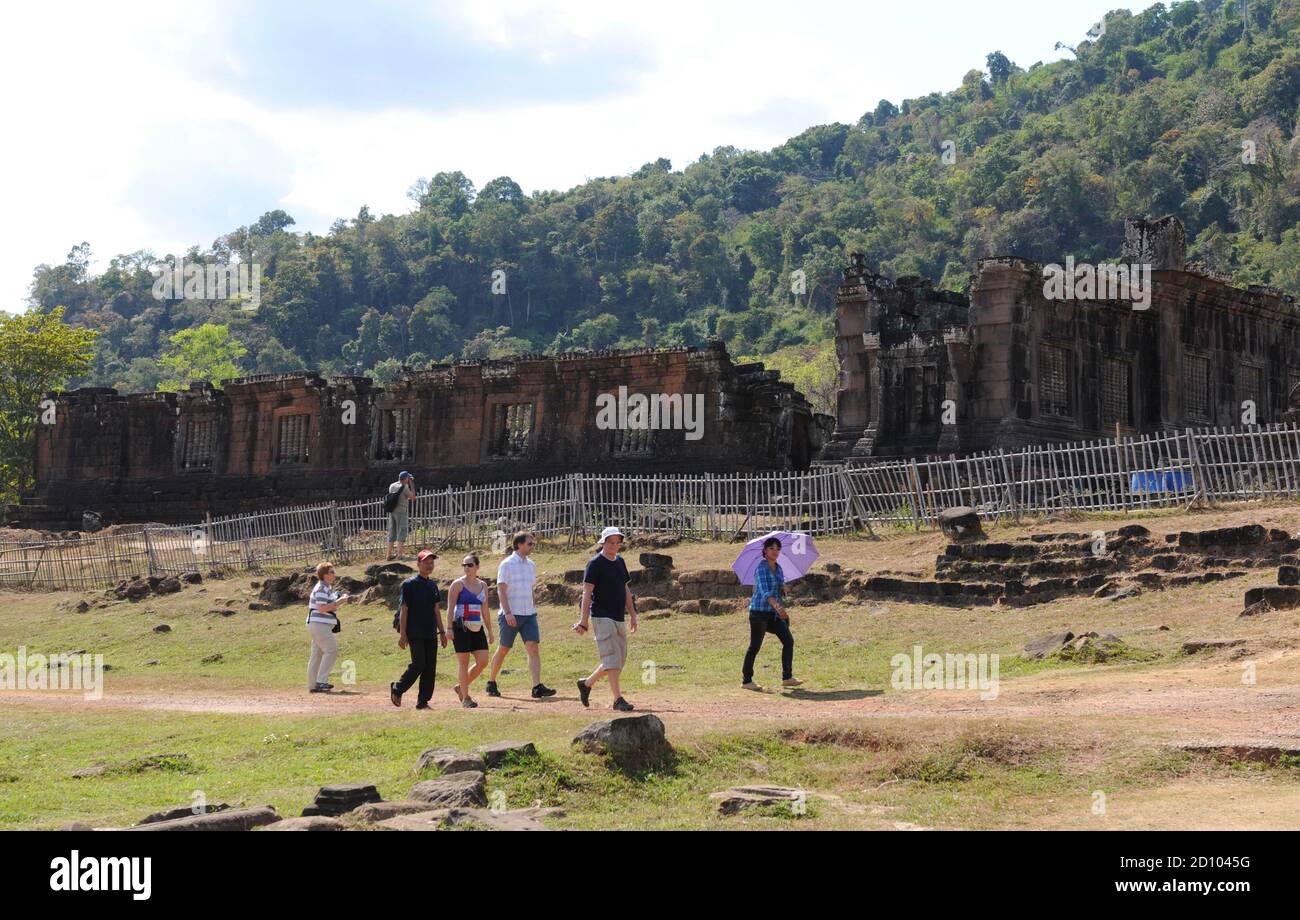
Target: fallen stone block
pixel 235 819
pixel 455 790
pixel 1046 645
pixel 960 524
pixel 1272 598
pixel 312 823
pixel 374 812
pixel 181 811
pixel 428 820
pixel 332 801
pixel 733 801
pixel 525 819
pixel 449 760
pixel 497 753
pixel 1193 646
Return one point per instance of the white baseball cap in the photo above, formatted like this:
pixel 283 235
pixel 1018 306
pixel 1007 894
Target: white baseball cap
pixel 609 532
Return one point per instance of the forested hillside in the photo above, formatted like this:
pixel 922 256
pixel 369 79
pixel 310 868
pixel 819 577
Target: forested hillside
pixel 1187 110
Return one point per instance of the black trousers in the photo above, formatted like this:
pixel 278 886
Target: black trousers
pixel 760 624
pixel 424 665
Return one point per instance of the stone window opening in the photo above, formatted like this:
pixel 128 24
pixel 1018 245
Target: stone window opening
pixel 921 386
pixel 633 442
pixel 1054 379
pixel 292 439
pixel 395 440
pixel 512 426
pixel 1252 388
pixel 200 444
pixel 1116 394
pixel 1196 386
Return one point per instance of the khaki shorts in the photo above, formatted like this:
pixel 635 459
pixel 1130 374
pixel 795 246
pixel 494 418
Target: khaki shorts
pixel 611 641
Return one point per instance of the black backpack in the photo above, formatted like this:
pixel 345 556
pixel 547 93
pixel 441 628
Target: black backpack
pixel 392 498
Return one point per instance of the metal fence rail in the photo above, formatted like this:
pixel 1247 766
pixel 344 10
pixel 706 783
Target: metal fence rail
pixel 1167 469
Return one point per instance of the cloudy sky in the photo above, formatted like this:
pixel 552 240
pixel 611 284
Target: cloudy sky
pixel 158 125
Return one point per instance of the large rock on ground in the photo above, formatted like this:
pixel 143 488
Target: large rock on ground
pixel 1046 645
pixel 961 524
pixel 463 790
pixel 449 760
pixel 241 819
pixel 497 753
pixel 633 742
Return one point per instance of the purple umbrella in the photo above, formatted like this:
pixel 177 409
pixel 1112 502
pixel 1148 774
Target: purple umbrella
pixel 797 556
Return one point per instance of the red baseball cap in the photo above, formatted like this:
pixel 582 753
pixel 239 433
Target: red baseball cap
pixel 426 554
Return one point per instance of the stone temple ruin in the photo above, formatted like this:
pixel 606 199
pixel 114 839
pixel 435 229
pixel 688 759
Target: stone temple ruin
pixel 293 438
pixel 1021 368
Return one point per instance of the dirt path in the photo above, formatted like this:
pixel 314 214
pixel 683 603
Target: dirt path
pixel 1185 699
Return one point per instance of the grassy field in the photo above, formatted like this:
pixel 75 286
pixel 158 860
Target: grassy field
pixel 1059 741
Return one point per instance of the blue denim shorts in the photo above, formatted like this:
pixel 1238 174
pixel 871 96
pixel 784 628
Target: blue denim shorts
pixel 527 628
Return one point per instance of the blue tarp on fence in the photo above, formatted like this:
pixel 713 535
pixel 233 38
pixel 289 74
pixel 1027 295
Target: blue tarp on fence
pixel 1153 481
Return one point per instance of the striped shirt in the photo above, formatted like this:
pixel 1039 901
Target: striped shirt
pixel 767 585
pixel 518 575
pixel 322 596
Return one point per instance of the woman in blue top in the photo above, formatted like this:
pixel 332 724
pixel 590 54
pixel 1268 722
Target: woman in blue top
pixel 767 614
pixel 471 631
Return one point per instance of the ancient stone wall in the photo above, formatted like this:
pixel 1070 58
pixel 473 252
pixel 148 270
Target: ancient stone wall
pixel 1020 367
pixel 288 438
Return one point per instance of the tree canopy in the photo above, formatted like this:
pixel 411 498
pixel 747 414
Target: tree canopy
pixel 1182 109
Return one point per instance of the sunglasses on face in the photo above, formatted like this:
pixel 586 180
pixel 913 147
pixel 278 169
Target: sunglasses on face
pixel 469 565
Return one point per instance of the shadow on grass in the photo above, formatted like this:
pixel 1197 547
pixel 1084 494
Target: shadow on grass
pixel 830 696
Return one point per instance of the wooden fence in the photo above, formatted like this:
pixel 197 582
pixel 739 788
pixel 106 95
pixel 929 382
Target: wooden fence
pixel 1127 474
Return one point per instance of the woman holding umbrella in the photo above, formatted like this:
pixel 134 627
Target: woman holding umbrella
pixel 767 612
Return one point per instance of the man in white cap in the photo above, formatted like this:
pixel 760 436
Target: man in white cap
pixel 606 597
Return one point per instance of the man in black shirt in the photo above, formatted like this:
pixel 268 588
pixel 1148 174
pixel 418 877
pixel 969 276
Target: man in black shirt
pixel 605 598
pixel 420 628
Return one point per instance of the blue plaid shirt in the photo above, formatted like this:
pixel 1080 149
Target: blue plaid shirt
pixel 767 585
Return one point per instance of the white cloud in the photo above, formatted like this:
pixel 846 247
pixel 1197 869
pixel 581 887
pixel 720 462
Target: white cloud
pixel 101 104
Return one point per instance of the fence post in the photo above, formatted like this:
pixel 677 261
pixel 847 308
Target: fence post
pixel 858 512
pixel 150 563
pixel 918 506
pixel 335 528
pixel 207 539
pixel 1010 484
pixel 574 502
pixel 248 542
pixel 1197 470
pixel 711 496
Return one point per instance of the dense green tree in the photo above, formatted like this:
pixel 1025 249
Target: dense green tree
pixel 39 353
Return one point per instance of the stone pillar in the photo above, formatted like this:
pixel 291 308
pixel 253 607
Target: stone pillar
pixel 853 399
pixel 1161 243
pixel 1001 299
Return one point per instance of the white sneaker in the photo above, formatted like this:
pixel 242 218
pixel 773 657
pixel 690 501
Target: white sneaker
pixel 750 686
pixel 791 682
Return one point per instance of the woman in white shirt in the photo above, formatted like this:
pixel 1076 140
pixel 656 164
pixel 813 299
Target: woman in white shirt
pixel 322 623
